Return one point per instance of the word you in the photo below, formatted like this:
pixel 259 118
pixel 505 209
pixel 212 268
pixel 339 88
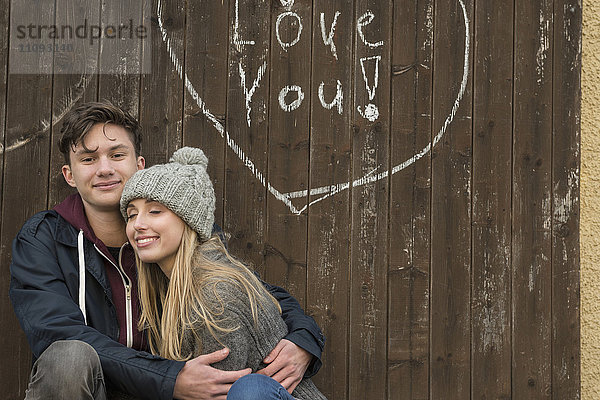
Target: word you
pixel 83 31
pixel 295 92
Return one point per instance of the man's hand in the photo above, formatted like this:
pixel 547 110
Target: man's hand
pixel 198 380
pixel 287 364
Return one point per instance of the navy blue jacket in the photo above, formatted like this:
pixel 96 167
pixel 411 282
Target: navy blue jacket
pixel 44 291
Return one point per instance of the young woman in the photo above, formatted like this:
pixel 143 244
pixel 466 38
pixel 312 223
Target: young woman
pixel 195 297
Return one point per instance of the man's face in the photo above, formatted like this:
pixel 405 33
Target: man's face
pixel 100 172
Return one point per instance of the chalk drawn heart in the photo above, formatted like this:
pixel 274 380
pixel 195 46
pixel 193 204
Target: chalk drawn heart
pixel 325 191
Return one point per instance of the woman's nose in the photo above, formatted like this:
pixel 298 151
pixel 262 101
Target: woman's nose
pixel 139 223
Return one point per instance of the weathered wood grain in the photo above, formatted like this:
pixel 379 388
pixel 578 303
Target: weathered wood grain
pixel 288 153
pixel 532 201
pixel 12 213
pixel 410 197
pixel 120 86
pixel 451 271
pixel 162 112
pixel 451 206
pixel 247 128
pixel 25 182
pixel 328 259
pixel 206 40
pixel 491 233
pixel 4 50
pixel 566 112
pixel 367 376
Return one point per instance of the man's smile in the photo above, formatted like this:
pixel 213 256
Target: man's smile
pixel 108 185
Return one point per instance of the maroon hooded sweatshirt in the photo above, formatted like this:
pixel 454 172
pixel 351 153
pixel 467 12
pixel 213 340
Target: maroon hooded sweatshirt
pixel 71 209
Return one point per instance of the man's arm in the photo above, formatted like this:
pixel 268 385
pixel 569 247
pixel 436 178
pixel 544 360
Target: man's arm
pixel 47 312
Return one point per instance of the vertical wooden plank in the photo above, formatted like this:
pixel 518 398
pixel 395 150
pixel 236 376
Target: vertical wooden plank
pixel 491 234
pixel 247 120
pixel 122 86
pixel 161 93
pixel 4 49
pixel 289 125
pixel 370 201
pixel 410 197
pixel 532 203
pixel 71 89
pixel 206 68
pixel 451 203
pixel 25 182
pixel 566 114
pixel 14 345
pixel 330 164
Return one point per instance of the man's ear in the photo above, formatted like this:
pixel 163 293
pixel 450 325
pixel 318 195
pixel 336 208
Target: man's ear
pixel 141 163
pixel 68 175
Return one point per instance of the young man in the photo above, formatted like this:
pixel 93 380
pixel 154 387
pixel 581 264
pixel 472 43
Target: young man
pixel 74 289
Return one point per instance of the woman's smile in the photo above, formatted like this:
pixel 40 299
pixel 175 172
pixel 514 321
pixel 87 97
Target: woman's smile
pixel 143 242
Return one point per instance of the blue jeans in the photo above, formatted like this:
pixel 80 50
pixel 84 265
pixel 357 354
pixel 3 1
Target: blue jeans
pixel 258 387
pixel 69 369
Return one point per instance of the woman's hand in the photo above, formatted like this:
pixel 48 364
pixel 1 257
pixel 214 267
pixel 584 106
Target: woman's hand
pixel 287 364
pixel 198 380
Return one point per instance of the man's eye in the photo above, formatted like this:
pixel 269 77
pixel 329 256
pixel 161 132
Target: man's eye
pixel 119 155
pixel 87 159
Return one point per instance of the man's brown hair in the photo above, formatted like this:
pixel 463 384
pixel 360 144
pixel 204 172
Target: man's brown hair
pixel 78 122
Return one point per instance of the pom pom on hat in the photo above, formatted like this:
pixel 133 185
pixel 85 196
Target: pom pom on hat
pixel 189 156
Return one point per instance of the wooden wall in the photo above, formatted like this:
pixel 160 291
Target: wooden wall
pixel 408 169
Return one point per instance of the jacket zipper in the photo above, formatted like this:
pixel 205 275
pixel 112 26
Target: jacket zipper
pixel 127 284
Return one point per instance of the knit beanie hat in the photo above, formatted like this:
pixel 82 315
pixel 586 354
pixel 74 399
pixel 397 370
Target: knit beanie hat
pixel 182 185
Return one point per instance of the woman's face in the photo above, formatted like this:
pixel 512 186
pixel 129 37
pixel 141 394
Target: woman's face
pixel 155 232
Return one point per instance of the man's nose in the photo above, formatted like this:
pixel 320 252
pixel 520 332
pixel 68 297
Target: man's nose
pixel 105 167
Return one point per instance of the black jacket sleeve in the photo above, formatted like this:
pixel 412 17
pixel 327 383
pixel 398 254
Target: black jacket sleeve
pixel 44 306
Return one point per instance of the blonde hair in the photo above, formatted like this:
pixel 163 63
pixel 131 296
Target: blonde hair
pixel 169 307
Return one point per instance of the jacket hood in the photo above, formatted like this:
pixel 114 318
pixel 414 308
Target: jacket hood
pixel 71 209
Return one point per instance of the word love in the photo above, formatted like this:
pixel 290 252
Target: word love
pixel 291 96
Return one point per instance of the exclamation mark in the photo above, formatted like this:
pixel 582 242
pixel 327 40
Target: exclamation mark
pixel 371 111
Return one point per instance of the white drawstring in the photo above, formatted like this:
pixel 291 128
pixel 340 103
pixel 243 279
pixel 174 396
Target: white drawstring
pixel 81 274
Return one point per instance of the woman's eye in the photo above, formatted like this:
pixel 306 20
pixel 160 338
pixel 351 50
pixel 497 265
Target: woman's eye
pixel 155 212
pixel 130 216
